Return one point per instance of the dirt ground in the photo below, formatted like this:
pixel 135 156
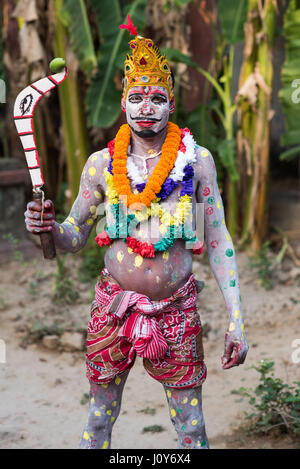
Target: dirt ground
pixel 43 391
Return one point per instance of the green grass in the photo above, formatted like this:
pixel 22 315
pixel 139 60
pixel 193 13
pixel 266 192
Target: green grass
pixel 153 429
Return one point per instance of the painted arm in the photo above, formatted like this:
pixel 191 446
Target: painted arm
pixel 72 234
pixel 221 257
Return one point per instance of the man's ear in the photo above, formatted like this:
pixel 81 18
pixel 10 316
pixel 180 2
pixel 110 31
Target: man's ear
pixel 172 105
pixel 123 104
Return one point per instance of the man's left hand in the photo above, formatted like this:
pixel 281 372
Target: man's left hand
pixel 235 351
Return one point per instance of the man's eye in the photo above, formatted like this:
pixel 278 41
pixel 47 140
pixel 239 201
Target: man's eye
pixel 158 100
pixel 135 99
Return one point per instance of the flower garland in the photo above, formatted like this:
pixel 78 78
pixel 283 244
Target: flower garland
pixel 182 171
pixel 154 184
pixel 172 226
pixel 183 207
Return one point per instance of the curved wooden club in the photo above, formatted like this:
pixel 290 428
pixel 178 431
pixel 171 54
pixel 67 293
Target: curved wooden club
pixel 24 108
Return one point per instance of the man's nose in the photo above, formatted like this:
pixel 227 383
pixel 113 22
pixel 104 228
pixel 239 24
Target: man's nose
pixel 147 107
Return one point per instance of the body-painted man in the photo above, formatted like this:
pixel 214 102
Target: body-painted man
pixel 145 299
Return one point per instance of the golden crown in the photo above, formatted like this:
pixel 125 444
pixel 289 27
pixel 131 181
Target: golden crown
pixel 146 66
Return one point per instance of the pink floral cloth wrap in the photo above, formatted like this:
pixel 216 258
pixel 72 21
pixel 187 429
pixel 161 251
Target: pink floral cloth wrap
pixel 167 334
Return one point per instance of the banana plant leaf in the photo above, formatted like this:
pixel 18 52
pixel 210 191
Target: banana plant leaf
pixel 103 97
pixel 74 17
pixel 202 126
pixel 290 154
pixel 233 16
pixel 289 94
pixel 226 150
pixel 174 55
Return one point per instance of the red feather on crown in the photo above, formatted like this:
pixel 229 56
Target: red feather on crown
pixel 129 26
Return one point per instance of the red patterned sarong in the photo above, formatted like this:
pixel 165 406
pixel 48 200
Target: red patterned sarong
pixel 167 334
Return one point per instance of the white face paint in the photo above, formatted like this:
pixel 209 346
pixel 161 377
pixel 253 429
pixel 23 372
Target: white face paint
pixel 147 109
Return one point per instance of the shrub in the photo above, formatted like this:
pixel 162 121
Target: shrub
pixel 275 404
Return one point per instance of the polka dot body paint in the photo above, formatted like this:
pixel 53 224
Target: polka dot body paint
pixel 218 240
pixel 72 234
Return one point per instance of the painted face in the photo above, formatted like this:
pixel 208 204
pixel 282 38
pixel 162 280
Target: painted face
pixel 147 109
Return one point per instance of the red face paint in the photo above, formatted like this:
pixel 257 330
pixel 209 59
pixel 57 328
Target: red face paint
pixel 147 91
pixel 144 113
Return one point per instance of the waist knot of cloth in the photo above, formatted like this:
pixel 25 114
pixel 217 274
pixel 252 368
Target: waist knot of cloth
pixel 140 326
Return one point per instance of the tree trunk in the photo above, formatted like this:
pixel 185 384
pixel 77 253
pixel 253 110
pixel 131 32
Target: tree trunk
pixel 254 114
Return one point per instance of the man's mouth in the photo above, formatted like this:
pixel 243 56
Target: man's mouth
pixel 145 122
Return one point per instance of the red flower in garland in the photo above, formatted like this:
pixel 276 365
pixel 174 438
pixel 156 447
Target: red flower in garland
pixel 147 250
pixel 111 147
pixel 144 249
pixel 182 146
pixel 103 239
pixel 131 242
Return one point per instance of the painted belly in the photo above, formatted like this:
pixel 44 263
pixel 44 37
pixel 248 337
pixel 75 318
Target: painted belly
pixel 157 278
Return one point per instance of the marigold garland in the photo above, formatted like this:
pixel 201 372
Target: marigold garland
pixel 162 185
pixel 153 186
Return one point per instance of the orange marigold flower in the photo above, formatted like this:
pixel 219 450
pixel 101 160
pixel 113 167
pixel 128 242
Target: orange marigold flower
pixel 160 173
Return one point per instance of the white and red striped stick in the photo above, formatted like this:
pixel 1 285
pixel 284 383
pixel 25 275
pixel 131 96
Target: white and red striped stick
pixel 24 108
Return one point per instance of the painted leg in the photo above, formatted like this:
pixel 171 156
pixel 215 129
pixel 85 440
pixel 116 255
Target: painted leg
pixel 104 408
pixel 185 407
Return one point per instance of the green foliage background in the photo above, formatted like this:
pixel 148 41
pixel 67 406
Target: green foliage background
pixel 290 73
